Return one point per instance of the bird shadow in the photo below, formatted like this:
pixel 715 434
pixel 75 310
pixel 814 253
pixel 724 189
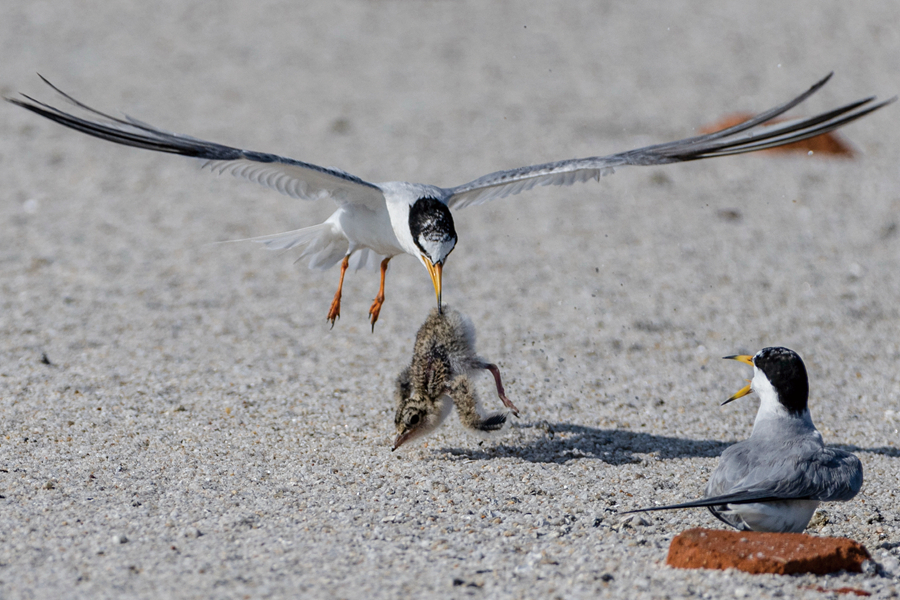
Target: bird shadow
pixel 562 442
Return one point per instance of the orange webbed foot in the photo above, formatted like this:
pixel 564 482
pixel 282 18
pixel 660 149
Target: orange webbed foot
pixel 334 312
pixel 375 310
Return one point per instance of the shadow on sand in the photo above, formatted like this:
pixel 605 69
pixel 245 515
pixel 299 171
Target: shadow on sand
pixel 562 442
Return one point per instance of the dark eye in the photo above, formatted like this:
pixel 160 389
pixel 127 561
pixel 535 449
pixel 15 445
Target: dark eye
pixel 414 420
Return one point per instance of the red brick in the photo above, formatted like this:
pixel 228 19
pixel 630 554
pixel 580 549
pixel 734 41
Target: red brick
pixel 757 552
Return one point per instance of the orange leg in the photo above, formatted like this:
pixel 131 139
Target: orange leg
pixel 379 299
pixel 335 311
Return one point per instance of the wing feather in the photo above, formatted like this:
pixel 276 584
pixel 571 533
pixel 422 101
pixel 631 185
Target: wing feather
pixel 749 136
pixel 823 474
pixel 286 175
pixel 796 469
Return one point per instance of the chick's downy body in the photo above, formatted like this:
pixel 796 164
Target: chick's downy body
pixel 438 378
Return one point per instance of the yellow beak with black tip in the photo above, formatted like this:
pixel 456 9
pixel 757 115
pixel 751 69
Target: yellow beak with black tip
pixel 436 272
pixel 746 359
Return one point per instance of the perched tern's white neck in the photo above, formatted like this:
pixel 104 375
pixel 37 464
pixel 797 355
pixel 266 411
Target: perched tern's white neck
pixel 770 405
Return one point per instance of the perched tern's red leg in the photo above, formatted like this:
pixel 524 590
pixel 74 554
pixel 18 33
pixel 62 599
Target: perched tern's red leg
pixel 379 299
pixel 506 401
pixel 335 311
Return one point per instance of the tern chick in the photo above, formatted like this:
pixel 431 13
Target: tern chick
pixel 775 480
pixel 438 378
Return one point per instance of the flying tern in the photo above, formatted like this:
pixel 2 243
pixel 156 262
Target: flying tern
pixel 775 480
pixel 381 220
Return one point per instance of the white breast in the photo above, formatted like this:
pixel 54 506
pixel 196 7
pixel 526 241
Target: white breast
pixel 366 228
pixel 789 516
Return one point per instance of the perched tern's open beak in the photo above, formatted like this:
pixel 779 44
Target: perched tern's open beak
pixel 746 359
pixel 435 270
pixel 739 394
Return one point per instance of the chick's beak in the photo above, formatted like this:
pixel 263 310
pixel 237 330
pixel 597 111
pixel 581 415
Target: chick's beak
pixel 402 438
pixel 746 359
pixel 436 271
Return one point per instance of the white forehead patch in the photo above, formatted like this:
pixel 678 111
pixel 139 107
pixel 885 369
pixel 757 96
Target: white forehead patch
pixel 437 250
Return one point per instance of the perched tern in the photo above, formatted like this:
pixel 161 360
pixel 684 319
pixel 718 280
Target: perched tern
pixel 437 379
pixel 381 220
pixel 775 480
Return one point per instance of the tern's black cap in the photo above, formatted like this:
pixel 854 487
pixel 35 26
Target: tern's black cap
pixel 430 219
pixel 786 372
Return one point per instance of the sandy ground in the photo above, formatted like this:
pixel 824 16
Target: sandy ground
pixel 200 432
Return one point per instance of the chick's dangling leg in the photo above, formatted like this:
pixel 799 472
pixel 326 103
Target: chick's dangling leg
pixel 379 299
pixel 506 401
pixel 335 311
pixel 460 391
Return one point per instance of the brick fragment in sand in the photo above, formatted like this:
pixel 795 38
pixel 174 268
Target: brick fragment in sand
pixel 756 552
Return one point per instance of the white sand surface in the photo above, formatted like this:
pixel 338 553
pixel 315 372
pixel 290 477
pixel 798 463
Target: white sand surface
pixel 201 433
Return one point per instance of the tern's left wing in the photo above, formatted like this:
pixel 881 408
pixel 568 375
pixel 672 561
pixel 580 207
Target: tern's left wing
pixel 827 475
pixel 292 177
pixel 749 136
pixel 795 472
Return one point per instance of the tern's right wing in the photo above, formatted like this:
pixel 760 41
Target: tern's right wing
pixel 795 470
pixel 291 177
